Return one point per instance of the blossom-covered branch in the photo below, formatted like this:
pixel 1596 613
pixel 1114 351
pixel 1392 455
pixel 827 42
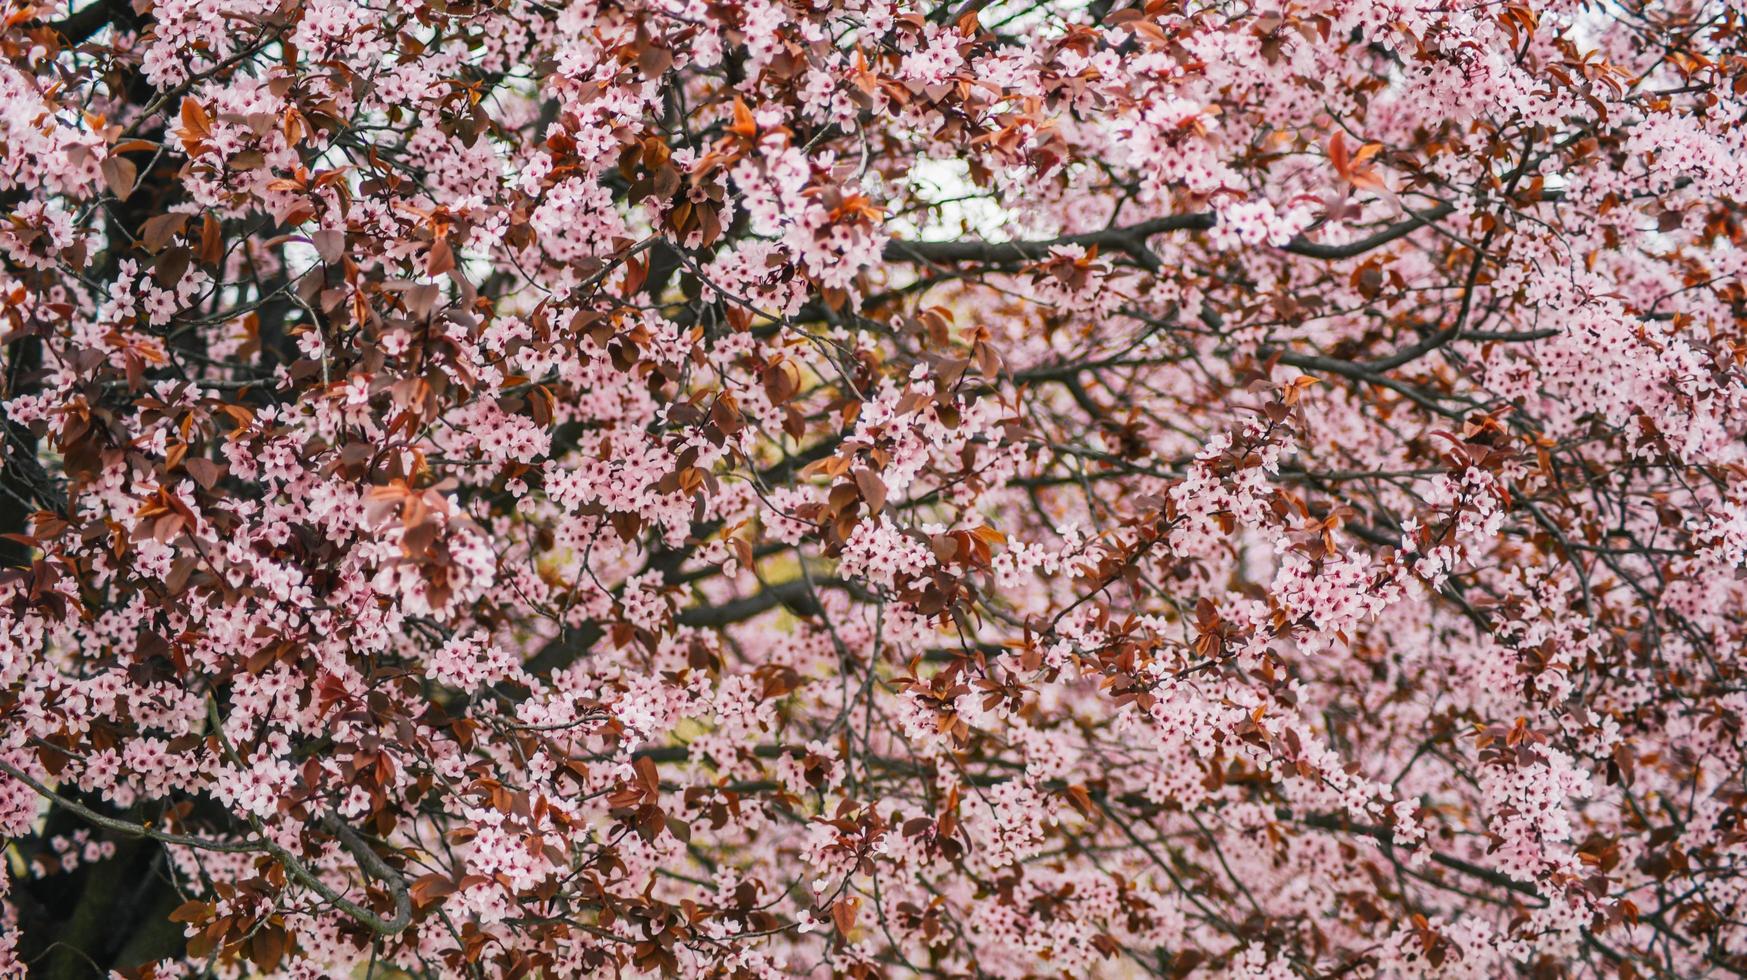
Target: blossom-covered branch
pixel 750 488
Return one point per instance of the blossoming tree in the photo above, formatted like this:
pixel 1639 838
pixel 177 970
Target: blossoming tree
pixel 762 487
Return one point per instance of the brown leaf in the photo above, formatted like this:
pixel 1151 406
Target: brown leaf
pixel 843 913
pixel 121 175
pixel 744 125
pixel 873 490
pixel 267 947
pixel 1337 153
pixel 654 61
pixel 159 229
pixel 541 405
pixel 431 888
pixel 179 573
pixel 191 911
pixel 651 779
pixel 441 258
pixel 196 124
pixel 171 264
pixel 679 829
pixel 205 471
pixel 330 244
pixel 211 241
